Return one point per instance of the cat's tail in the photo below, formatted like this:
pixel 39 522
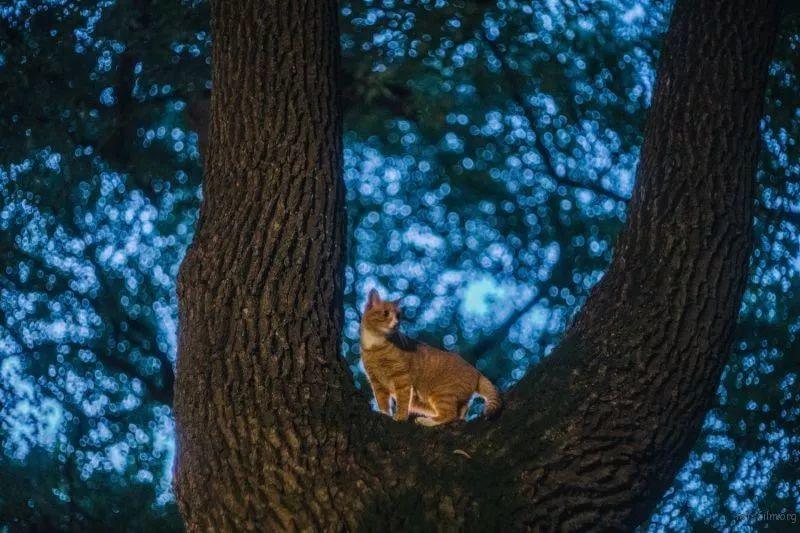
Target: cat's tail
pixel 494 403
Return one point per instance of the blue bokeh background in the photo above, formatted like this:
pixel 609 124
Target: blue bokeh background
pixel 489 152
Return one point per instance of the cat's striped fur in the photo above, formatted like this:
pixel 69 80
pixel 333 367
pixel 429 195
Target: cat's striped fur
pixel 435 384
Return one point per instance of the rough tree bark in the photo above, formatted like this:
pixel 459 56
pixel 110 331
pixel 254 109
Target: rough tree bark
pixel 272 434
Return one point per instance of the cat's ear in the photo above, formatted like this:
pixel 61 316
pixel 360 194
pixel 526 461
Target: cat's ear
pixel 373 299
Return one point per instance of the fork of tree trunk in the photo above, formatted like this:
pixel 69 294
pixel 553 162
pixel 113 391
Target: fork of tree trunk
pixel 272 433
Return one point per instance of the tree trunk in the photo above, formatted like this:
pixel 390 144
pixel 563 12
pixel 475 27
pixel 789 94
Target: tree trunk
pixel 272 434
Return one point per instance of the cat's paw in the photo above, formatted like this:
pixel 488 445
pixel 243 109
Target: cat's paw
pixel 424 421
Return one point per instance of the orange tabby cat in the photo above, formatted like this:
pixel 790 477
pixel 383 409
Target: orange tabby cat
pixel 422 379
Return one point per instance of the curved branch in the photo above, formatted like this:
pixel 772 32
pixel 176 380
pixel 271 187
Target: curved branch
pixel 635 373
pixel 497 336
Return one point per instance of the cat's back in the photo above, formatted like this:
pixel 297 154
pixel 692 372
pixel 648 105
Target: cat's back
pixel 434 361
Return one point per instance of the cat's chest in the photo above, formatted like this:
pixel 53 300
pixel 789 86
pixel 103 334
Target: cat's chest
pixel 370 341
pixel 383 363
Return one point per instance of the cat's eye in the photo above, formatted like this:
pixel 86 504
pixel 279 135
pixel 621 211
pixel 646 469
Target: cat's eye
pixel 386 314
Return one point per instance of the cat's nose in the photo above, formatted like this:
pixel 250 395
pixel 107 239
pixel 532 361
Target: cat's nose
pixel 393 323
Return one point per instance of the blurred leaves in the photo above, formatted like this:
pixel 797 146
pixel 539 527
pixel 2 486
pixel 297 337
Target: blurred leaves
pixel 489 150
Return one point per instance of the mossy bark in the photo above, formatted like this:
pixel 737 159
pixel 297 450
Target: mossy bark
pixel 272 434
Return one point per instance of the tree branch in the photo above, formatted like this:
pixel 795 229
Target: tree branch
pixel 482 347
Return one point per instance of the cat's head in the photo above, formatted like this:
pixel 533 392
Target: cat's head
pixel 381 316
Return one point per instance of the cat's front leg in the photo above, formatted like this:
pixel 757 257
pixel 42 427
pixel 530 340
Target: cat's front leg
pixel 381 398
pixel 403 399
